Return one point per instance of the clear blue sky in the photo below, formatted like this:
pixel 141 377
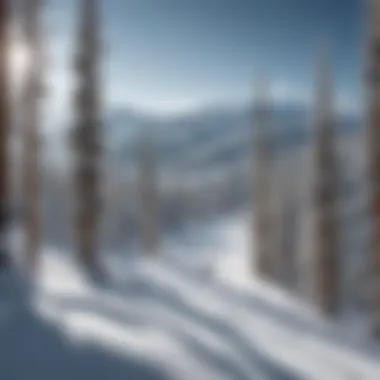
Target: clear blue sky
pixel 172 54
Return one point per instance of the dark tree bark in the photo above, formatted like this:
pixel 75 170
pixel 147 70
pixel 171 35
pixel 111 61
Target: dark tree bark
pixel 87 139
pixel 4 132
pixel 31 133
pixel 372 81
pixel 327 271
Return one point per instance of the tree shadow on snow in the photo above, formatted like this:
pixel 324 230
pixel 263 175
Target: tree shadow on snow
pixel 333 331
pixel 173 301
pixel 32 349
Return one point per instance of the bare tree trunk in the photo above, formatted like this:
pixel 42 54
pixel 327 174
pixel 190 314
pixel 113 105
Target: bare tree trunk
pixel 31 134
pixel 261 197
pixel 373 133
pixel 4 132
pixel 148 195
pixel 325 197
pixel 87 139
pixel 288 228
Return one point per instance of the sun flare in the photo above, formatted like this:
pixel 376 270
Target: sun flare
pixel 19 59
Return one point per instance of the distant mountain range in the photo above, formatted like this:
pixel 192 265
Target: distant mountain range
pixel 198 140
pixel 210 137
pixel 203 160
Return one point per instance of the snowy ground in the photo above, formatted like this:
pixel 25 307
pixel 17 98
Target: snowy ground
pixel 195 312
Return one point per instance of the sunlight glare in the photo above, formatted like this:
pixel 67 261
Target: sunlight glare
pixel 19 60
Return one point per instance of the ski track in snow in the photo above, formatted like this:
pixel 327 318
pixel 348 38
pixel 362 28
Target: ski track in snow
pixel 174 317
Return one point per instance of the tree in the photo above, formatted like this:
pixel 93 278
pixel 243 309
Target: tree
pixel 4 132
pixel 148 194
pixel 286 223
pixel 87 139
pixel 31 133
pixel 261 199
pixel 372 79
pixel 327 275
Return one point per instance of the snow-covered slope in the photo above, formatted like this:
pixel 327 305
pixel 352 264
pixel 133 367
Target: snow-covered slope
pixel 194 312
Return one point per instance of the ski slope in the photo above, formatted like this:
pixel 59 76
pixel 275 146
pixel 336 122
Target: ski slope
pixel 194 312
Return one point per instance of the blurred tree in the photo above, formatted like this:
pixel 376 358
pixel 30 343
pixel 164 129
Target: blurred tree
pixel 327 273
pixel 4 132
pixel 373 132
pixel 288 214
pixel 261 199
pixel 87 140
pixel 31 133
pixel 148 193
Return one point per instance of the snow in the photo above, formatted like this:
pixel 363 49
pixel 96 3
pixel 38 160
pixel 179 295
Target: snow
pixel 196 311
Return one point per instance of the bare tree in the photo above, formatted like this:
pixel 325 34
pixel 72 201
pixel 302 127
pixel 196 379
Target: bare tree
pixel 31 132
pixel 4 132
pixel 261 199
pixel 373 134
pixel 148 194
pixel 87 139
pixel 287 271
pixel 327 275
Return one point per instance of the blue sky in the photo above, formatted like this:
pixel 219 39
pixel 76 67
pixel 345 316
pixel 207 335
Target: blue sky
pixel 171 55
